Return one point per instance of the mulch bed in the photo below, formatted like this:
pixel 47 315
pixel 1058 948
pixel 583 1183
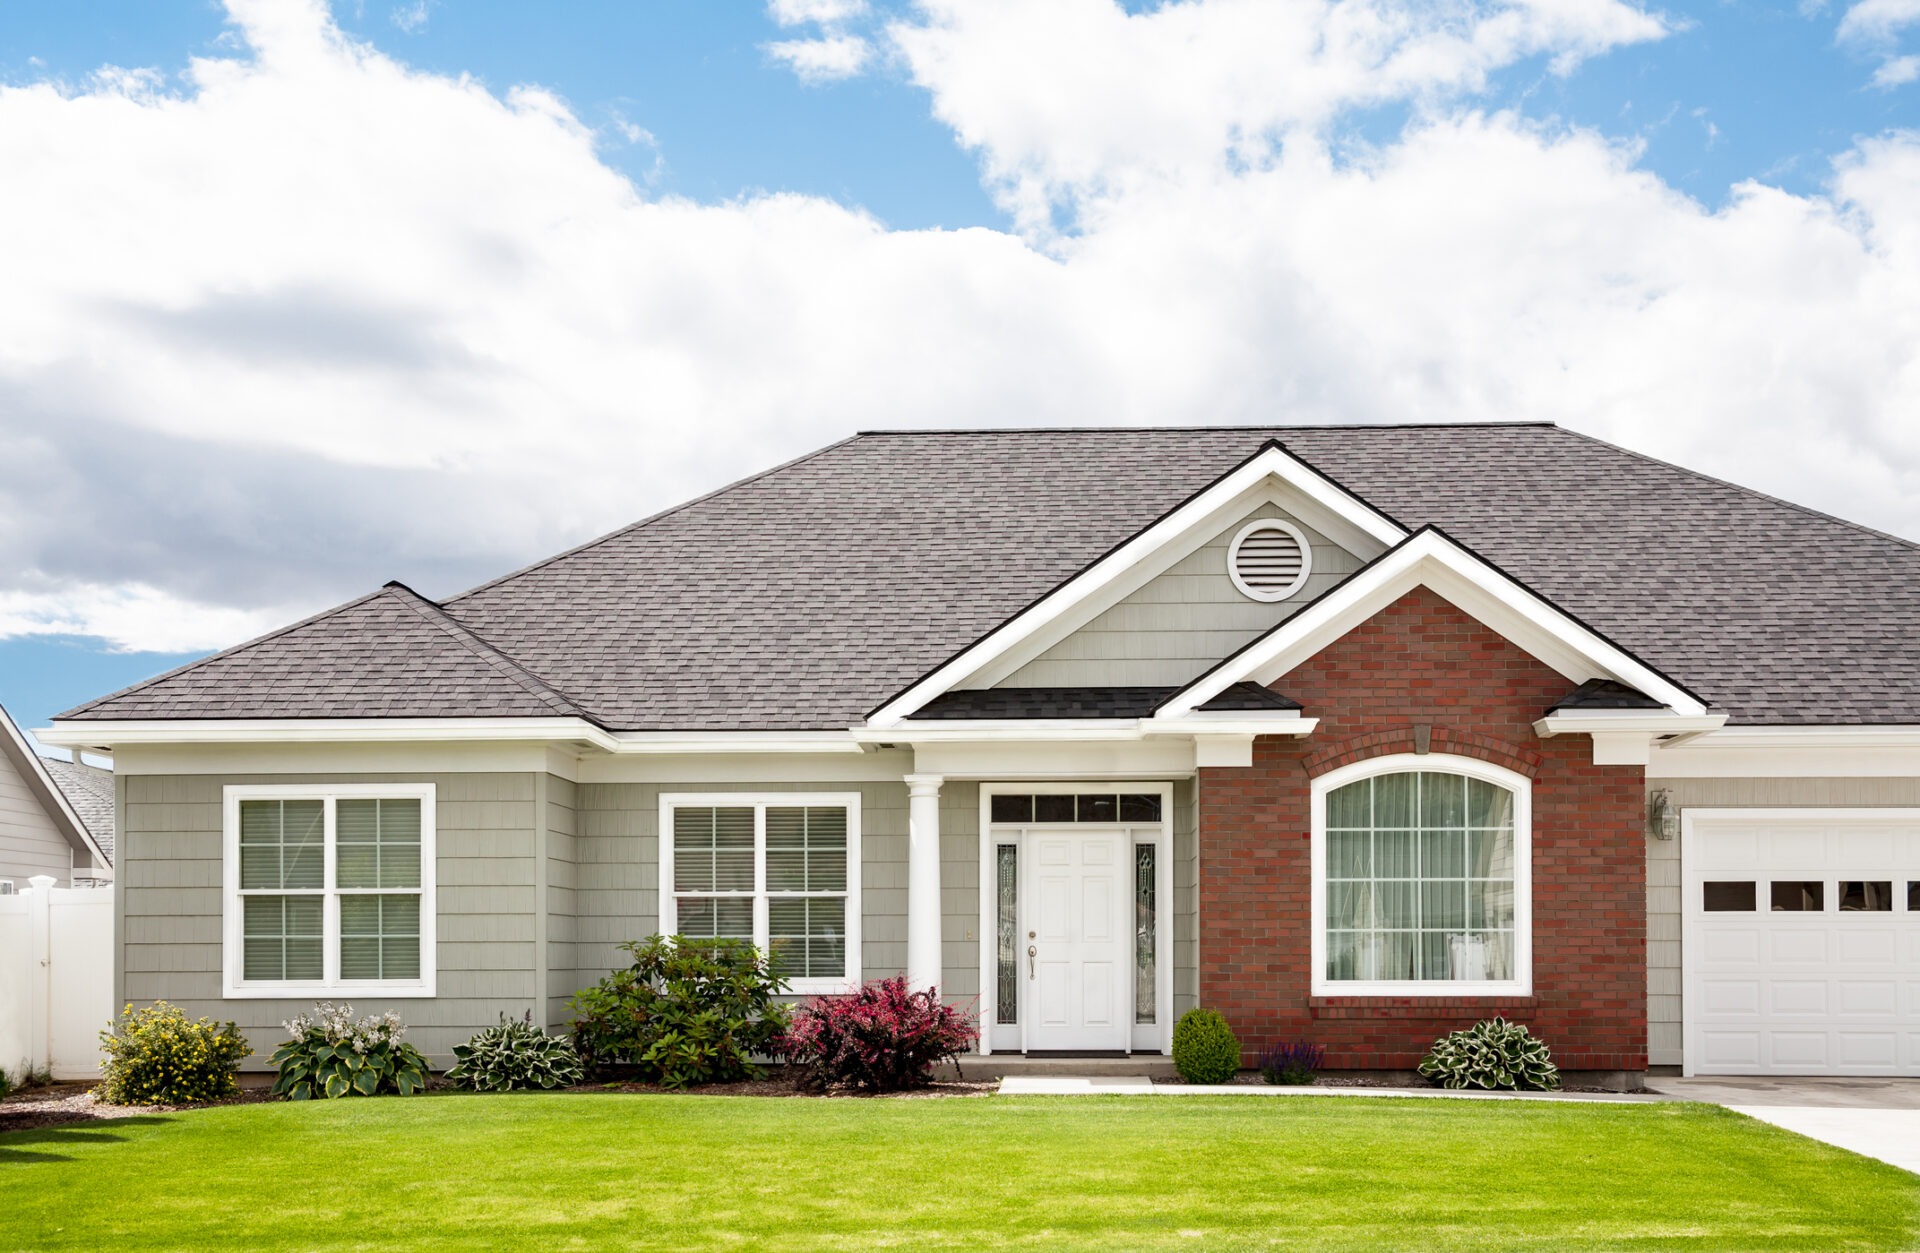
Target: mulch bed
pixel 57 1104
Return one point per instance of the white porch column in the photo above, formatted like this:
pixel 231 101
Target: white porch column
pixel 923 880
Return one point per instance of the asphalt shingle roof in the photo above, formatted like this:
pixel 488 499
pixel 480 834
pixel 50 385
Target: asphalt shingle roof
pixel 90 791
pixel 806 596
pixel 1088 702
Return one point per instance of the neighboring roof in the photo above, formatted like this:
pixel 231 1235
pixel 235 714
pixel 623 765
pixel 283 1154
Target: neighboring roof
pixel 803 597
pixel 1605 694
pixel 89 790
pixel 1085 702
pixel 32 769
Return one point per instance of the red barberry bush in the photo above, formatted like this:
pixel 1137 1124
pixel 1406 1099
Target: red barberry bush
pixel 882 1038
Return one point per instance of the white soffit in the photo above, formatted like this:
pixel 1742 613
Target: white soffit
pixel 1272 474
pixel 1430 559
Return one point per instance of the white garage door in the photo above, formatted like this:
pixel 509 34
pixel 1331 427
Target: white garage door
pixel 1800 941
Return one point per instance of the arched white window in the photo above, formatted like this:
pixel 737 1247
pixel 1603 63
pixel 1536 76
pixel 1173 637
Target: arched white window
pixel 1422 878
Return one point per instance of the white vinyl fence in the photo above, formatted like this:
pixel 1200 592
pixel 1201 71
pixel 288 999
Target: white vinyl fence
pixel 56 979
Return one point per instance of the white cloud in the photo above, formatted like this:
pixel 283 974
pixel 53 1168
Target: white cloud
pixel 825 60
pixel 1897 72
pixel 1073 99
pixel 825 12
pixel 317 320
pixel 412 17
pixel 1874 21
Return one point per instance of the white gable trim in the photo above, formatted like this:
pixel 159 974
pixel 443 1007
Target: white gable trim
pixel 1430 559
pixel 1272 461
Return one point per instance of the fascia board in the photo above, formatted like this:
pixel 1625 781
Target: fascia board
pixel 1270 461
pixel 1430 559
pixel 105 734
pixel 1627 720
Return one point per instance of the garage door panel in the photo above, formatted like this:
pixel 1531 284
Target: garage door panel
pixel 1797 944
pixel 1807 988
pixel 1798 1050
pixel 1866 948
pixel 1789 997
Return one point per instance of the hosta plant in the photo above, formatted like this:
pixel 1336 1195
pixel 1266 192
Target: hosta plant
pixel 159 1056
pixel 333 1054
pixel 1205 1050
pixel 1291 1062
pixel 882 1038
pixel 1493 1054
pixel 687 1011
pixel 515 1054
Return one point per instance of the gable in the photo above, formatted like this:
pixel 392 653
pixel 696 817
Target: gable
pixel 1184 620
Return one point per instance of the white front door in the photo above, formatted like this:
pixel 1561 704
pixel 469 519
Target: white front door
pixel 1076 939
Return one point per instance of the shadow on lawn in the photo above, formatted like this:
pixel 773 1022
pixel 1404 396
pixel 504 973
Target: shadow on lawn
pixel 27 1146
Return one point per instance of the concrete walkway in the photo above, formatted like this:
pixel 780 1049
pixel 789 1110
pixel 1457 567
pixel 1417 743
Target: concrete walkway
pixel 1877 1118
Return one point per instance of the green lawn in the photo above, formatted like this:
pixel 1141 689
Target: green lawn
pixel 602 1171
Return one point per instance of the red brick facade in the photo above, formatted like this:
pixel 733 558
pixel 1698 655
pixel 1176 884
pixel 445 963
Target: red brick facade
pixel 1421 662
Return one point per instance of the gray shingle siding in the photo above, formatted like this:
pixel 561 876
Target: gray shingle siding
pixel 877 559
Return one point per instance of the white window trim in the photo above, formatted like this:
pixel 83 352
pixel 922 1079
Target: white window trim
pixel 1271 595
pixel 237 988
pixel 761 802
pixel 1442 763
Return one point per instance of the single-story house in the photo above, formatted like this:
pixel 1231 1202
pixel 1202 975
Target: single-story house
pixel 43 829
pixel 1356 734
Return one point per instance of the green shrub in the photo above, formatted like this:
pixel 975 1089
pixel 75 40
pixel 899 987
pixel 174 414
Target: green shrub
pixel 6 1084
pixel 1204 1047
pixel 333 1055
pixel 687 1011
pixel 515 1054
pixel 159 1056
pixel 1492 1054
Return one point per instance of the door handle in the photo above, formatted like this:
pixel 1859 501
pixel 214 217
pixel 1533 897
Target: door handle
pixel 1032 971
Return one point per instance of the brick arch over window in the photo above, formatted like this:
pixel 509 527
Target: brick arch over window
pixel 1460 743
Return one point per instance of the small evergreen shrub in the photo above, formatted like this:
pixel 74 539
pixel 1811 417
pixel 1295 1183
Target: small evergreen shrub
pixel 687 1011
pixel 1205 1049
pixel 159 1056
pixel 333 1055
pixel 515 1054
pixel 1291 1062
pixel 1492 1054
pixel 882 1038
pixel 6 1084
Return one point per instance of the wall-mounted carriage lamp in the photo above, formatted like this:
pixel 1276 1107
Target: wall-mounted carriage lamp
pixel 1663 820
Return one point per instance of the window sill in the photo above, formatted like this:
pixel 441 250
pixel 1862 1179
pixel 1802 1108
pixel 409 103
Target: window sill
pixel 415 990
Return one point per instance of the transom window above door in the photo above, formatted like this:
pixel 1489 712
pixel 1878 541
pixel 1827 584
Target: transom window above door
pixel 1421 884
pixel 781 871
pixel 1046 807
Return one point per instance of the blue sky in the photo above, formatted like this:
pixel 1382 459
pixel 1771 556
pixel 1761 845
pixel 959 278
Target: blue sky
pixel 1734 92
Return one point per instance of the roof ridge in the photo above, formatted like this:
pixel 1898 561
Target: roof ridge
pixel 1095 428
pixel 1754 492
pixel 649 520
pixel 230 651
pixel 485 650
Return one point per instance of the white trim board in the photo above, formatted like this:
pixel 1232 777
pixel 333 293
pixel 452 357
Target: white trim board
pixel 1150 551
pixel 1430 559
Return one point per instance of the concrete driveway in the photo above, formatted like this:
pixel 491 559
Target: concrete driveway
pixel 1873 1117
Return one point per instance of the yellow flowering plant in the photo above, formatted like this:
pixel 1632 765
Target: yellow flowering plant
pixel 159 1056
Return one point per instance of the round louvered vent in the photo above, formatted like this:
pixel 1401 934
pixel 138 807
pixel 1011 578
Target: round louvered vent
pixel 1269 559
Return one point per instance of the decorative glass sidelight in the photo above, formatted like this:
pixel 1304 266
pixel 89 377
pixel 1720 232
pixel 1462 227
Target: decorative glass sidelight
pixel 1007 881
pixel 1144 995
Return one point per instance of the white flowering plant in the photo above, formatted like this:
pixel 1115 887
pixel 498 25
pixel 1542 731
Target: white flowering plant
pixel 333 1054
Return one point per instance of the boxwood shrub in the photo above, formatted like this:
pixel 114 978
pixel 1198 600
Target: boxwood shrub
pixel 1205 1050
